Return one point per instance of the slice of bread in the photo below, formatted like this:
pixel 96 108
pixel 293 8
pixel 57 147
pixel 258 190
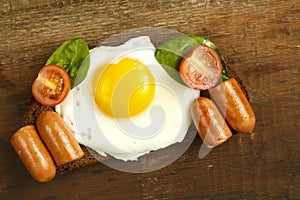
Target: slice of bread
pixel 35 109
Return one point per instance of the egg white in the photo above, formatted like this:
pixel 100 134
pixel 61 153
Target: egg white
pixel 128 139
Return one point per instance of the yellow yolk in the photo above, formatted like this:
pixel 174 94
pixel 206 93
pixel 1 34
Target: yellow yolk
pixel 125 89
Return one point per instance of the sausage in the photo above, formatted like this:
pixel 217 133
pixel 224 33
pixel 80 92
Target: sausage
pixel 209 122
pixel 234 105
pixel 33 153
pixel 58 138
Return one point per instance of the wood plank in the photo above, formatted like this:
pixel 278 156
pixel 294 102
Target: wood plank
pixel 260 40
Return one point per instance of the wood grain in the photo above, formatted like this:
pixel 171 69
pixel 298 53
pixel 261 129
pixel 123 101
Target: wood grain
pixel 260 40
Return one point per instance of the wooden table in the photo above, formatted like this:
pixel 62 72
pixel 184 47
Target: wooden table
pixel 261 41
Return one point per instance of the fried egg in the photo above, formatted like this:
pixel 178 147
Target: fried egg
pixel 127 106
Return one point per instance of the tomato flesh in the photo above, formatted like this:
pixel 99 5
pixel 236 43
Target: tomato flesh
pixel 51 86
pixel 201 68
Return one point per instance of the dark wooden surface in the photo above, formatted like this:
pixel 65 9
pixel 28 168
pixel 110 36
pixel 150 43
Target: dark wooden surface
pixel 261 41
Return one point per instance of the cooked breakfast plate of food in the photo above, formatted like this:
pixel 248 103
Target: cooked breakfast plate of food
pixel 134 103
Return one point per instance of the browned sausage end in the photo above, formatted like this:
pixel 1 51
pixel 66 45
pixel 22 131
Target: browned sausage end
pixel 234 105
pixel 209 122
pixel 58 138
pixel 33 153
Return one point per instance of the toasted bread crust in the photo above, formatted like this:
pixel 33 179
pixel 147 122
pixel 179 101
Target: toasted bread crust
pixel 240 82
pixel 33 111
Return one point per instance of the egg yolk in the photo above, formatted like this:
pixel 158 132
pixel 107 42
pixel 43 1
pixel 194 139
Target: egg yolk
pixel 125 89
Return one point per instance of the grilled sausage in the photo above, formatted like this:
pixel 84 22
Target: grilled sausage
pixel 33 154
pixel 209 122
pixel 234 105
pixel 58 138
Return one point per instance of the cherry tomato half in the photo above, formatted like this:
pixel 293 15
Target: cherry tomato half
pixel 201 68
pixel 51 85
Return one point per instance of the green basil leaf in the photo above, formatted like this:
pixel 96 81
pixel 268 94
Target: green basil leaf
pixel 73 56
pixel 171 53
